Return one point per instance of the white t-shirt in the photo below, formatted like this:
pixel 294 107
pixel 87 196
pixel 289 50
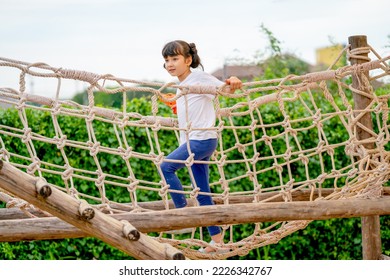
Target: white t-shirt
pixel 201 111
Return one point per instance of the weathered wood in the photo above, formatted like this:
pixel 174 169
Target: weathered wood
pixel 66 208
pixel 43 188
pixel 16 213
pixel 371 239
pixel 130 231
pixel 273 196
pixel 38 229
pixel 361 102
pixel 299 195
pixel 256 212
pixel 158 221
pixel 86 211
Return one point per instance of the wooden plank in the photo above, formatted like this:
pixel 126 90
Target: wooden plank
pixel 65 207
pixel 158 221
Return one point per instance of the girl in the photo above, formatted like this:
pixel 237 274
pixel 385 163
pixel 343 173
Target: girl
pixel 180 57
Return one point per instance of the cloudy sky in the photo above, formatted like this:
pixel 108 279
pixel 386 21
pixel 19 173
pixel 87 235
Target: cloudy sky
pixel 125 37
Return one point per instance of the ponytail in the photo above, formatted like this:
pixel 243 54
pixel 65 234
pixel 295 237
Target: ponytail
pixel 195 57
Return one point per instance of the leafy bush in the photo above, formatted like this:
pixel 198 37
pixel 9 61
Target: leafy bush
pixel 331 239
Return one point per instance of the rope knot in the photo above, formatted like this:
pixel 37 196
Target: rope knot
pixel 90 116
pixel 287 154
pixel 60 141
pixel 350 147
pixel 380 140
pixel 220 127
pixel 320 146
pixel 122 124
pixel 255 158
pixel 132 187
pixel 317 118
pixel 222 160
pixel 21 102
pixel 379 108
pixel 321 178
pixel 286 122
pixel 278 167
pixel 34 166
pixel 253 125
pixel 94 148
pixel 329 150
pixel 100 179
pixel 68 173
pixel 240 147
pixel 224 112
pixel 4 154
pixel 157 125
pixel 267 139
pixel 26 135
pixel 158 159
pixel 164 189
pixel 303 158
pixel 56 109
pixel 349 112
pixel 74 192
pixel 286 191
pixel 250 174
pixel 190 160
pixel 194 193
pixel 126 154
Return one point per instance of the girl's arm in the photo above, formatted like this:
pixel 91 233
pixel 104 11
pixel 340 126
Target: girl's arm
pixel 234 83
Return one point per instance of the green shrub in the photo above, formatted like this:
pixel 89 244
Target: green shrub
pixel 331 239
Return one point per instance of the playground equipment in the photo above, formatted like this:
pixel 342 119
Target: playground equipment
pixel 342 176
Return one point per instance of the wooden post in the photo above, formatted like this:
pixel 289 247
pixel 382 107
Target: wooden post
pixel 371 239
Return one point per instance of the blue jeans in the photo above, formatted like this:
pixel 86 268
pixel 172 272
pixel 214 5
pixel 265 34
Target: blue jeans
pixel 202 149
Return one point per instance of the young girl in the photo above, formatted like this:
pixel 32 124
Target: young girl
pixel 180 57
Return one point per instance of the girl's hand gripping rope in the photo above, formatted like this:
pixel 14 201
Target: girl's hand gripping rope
pixel 171 104
pixel 234 83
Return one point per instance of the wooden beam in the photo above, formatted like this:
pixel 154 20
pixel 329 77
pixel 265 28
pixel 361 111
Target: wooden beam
pixel 67 208
pixel 48 228
pixel 371 237
pixel 299 195
pixel 159 221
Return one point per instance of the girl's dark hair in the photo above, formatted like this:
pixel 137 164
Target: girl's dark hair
pixel 179 47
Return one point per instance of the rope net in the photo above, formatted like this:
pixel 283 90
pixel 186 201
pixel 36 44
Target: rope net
pixel 276 138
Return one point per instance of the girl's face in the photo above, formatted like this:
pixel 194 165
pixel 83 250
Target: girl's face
pixel 178 66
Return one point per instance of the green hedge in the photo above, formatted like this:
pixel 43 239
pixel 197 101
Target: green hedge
pixel 331 239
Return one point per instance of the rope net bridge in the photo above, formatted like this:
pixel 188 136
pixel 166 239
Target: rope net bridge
pixel 286 148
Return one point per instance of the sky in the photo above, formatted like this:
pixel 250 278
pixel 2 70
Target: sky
pixel 125 37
